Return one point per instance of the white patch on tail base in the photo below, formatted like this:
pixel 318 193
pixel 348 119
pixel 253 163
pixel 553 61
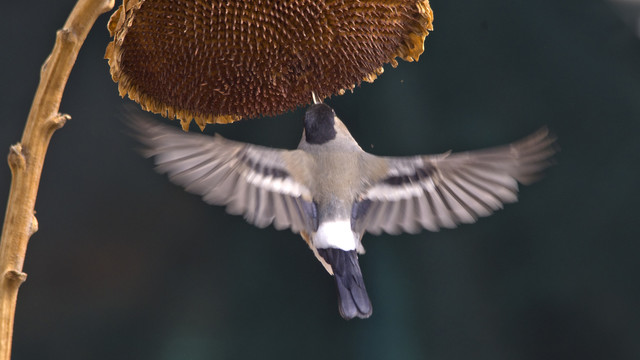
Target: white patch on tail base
pixel 335 234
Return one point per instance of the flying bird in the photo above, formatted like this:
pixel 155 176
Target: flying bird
pixel 331 192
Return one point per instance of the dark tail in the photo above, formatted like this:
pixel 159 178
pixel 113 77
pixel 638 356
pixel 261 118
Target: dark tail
pixel 352 296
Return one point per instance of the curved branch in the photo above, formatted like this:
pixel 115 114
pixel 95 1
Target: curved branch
pixel 27 158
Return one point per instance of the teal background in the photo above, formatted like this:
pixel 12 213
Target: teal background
pixel 128 266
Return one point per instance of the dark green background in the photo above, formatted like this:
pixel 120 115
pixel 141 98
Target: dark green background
pixel 128 266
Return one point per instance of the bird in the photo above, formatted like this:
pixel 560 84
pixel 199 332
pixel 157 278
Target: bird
pixel 330 191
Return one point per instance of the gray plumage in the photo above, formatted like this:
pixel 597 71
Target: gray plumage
pixel 331 192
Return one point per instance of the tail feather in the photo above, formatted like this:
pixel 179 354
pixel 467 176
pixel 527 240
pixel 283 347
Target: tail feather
pixel 353 300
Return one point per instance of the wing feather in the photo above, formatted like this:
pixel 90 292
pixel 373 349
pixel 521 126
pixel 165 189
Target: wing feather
pixel 442 191
pixel 251 180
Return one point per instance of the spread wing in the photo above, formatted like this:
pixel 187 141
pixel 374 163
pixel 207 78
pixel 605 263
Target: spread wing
pixel 439 191
pixel 251 180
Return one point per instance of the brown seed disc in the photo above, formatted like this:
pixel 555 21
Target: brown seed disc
pixel 219 61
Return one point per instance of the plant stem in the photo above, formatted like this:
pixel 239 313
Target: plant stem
pixel 27 158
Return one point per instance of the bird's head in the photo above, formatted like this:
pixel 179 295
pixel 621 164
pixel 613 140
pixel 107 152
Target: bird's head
pixel 319 124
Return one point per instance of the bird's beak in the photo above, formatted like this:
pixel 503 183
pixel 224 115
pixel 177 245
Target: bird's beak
pixel 316 99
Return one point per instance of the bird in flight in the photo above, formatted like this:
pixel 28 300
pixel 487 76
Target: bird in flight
pixel 331 192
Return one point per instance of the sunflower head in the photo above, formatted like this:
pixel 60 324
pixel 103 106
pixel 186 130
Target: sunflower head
pixel 220 61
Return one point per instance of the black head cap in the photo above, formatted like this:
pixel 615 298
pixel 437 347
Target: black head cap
pixel 319 124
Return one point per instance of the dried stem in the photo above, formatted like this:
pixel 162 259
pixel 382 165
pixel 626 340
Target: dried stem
pixel 27 158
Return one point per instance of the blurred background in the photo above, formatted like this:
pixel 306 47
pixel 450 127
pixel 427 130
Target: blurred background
pixel 128 266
